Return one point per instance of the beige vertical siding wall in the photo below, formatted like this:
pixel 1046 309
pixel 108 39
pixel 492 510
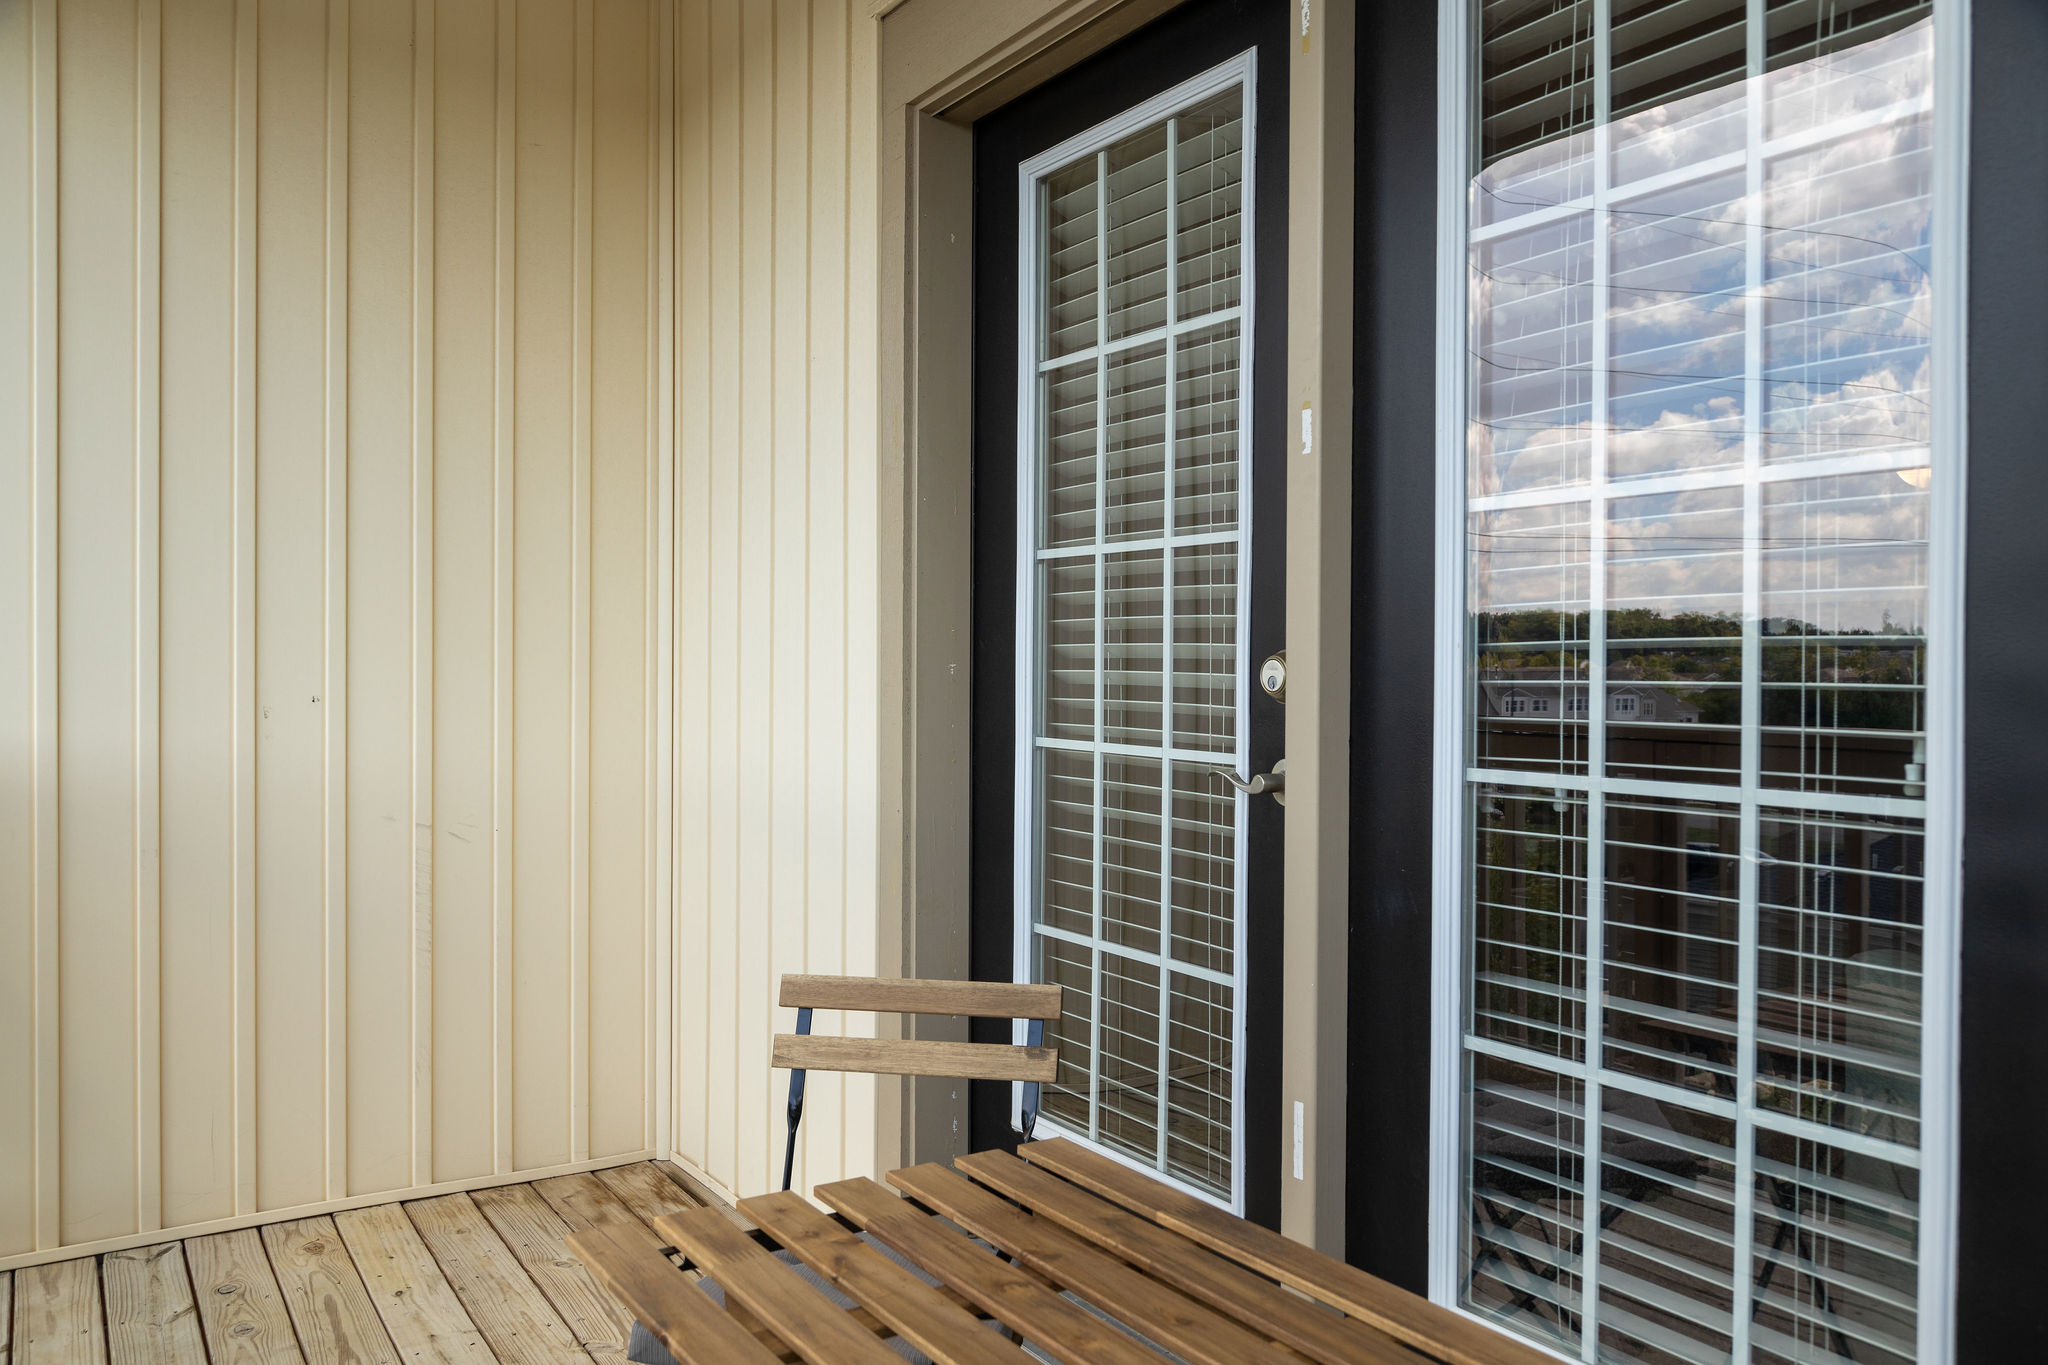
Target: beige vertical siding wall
pixel 331 387
pixel 776 543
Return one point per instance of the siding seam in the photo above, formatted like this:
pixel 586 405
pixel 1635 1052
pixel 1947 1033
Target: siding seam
pixel 504 438
pixel 148 618
pixel 422 738
pixel 334 687
pixel 244 353
pixel 48 889
pixel 581 438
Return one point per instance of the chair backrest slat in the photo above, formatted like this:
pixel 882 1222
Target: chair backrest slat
pixel 916 1057
pixel 973 999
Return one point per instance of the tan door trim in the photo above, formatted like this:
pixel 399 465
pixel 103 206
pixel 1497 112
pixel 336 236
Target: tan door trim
pixel 942 64
pixel 1317 855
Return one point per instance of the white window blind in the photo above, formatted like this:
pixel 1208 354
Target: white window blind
pixel 1131 606
pixel 1699 453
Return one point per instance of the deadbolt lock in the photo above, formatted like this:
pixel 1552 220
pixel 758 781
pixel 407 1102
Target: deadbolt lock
pixel 1273 676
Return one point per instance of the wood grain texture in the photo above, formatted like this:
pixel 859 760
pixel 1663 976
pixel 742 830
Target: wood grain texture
pixel 1406 1317
pixel 6 1317
pixel 973 999
pixel 681 1316
pixel 239 1301
pixel 501 1299
pixel 917 1057
pixel 1169 1317
pixel 537 1236
pixel 1056 1325
pixel 426 1321
pixel 325 1295
pixel 150 1314
pixel 57 1317
pixel 1175 1260
pixel 920 1314
pixel 699 1191
pixel 585 1202
pixel 646 1191
pixel 794 1310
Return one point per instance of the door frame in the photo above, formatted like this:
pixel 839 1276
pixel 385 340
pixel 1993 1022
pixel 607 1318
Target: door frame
pixel 941 66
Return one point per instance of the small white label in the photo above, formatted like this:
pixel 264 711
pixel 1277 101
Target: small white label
pixel 1308 429
pixel 1300 1123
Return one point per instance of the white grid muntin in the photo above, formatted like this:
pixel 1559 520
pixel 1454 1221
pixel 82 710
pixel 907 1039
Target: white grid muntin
pixel 1940 809
pixel 1239 71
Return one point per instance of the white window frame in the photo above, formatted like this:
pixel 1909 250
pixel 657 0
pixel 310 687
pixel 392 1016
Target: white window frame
pixel 1239 70
pixel 1941 902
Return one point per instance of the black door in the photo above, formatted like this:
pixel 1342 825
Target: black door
pixel 1129 496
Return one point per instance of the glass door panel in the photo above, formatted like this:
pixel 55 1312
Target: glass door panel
pixel 1697 530
pixel 1133 576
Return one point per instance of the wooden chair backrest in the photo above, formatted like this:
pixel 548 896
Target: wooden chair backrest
pixel 918 1056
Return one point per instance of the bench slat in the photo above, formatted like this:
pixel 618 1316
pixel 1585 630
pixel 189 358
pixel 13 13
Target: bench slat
pixel 917 1057
pixel 920 1314
pixel 816 1328
pixel 1410 1318
pixel 1058 1326
pixel 1188 1329
pixel 1195 1271
pixel 973 999
pixel 695 1330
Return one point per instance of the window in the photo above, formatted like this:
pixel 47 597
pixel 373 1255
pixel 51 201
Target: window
pixel 1135 249
pixel 1695 940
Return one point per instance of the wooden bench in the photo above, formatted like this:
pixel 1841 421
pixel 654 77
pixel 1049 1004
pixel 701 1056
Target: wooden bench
pixel 1031 1062
pixel 1016 1243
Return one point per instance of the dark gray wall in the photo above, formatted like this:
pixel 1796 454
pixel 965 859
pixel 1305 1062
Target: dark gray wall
pixel 2001 1313
pixel 1392 679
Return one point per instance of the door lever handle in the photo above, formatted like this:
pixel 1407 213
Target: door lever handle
pixel 1257 785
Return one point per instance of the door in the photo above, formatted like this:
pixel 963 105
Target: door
pixel 1128 553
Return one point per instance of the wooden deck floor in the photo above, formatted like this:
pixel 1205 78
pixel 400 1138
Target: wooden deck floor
pixel 472 1278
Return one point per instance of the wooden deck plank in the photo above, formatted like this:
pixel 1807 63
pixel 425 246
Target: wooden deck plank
pixel 501 1298
pixel 1190 1329
pixel 682 1317
pixel 57 1316
pixel 702 1193
pixel 647 1192
pixel 1174 1259
pixel 1430 1328
pixel 819 1330
pixel 583 1201
pixel 240 1305
pixel 325 1295
pixel 1056 1325
pixel 922 1315
pixel 151 1318
pixel 418 1308
pixel 538 1236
